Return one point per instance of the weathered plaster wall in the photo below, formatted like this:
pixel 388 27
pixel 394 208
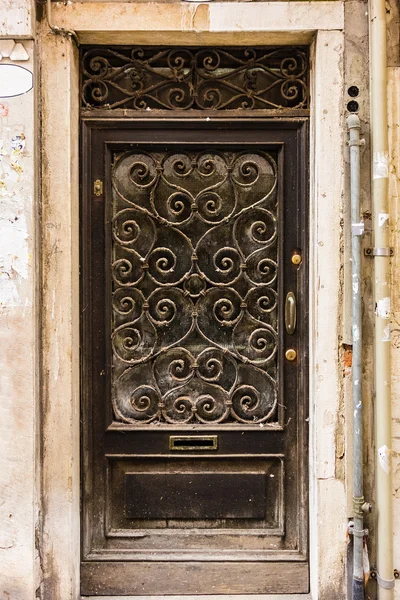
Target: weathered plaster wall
pixel 58 532
pixel 214 22
pixel 17 19
pixel 326 198
pixel 18 509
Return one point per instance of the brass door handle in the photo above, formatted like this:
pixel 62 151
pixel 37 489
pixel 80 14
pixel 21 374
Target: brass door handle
pixel 291 354
pixel 290 313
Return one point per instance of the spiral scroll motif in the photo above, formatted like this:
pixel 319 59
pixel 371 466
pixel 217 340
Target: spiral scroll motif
pixel 194 274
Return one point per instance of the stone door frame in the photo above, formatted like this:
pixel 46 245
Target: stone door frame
pixel 318 23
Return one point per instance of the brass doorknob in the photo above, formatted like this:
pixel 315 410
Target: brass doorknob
pixel 296 258
pixel 290 354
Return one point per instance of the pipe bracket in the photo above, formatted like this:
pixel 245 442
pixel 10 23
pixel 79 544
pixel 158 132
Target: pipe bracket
pixel 358 228
pixel 367 507
pixel 359 533
pixel 387 584
pixel 378 251
pixel 356 143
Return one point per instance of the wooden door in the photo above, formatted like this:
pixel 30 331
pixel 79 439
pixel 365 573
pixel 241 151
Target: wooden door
pixel 194 435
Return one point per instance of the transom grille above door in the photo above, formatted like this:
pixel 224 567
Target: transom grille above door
pixel 221 79
pixel 195 269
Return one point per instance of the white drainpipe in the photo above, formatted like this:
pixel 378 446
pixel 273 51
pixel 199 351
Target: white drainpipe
pixel 381 254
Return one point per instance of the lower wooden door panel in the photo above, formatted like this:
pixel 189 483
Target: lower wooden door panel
pixel 160 578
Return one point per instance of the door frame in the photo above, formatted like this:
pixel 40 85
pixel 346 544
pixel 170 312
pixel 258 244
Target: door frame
pixel 58 458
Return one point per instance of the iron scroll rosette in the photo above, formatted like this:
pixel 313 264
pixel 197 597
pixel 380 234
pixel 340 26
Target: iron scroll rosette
pixel 150 78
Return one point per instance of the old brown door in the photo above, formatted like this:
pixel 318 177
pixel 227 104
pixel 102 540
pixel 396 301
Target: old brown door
pixel 194 405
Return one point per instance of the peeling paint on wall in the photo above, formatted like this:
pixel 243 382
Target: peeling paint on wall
pixel 383 308
pixel 386 334
pixel 380 165
pixel 384 459
pixel 382 219
pixel 14 254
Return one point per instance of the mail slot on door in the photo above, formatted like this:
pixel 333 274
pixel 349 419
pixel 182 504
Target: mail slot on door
pixel 186 443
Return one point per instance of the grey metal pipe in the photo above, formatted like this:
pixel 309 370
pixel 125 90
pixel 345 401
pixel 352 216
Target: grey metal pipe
pixel 357 230
pixel 59 30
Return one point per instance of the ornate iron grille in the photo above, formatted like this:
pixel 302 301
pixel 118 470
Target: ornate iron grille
pixel 187 78
pixel 194 271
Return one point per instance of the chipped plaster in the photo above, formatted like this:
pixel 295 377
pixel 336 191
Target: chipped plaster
pixel 14 251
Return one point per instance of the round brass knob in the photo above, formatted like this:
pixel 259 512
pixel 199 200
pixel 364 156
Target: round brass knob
pixel 290 354
pixel 296 258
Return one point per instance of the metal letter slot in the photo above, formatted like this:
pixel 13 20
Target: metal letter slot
pixel 193 442
pixel 290 313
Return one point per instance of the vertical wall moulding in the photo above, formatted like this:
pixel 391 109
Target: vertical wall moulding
pixel 326 491
pixel 59 63
pixel 60 318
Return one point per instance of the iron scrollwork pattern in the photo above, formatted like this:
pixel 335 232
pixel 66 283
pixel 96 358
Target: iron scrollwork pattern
pixel 194 271
pixel 186 78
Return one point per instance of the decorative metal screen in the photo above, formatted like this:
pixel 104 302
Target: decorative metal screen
pixel 194 271
pixel 203 78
